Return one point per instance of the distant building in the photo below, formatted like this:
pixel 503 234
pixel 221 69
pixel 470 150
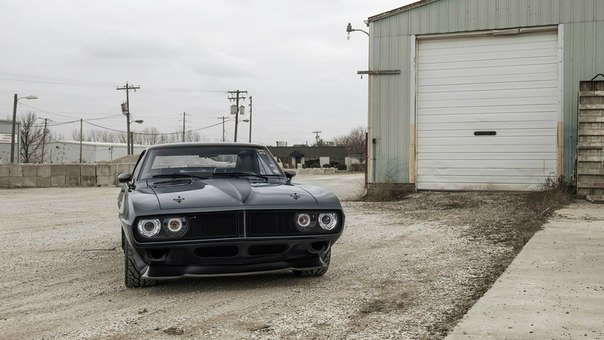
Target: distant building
pixel 64 152
pixel 310 156
pixel 6 127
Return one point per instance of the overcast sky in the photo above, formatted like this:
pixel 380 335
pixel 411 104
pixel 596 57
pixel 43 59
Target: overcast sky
pixel 292 57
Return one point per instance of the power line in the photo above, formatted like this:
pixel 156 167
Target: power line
pixel 48 80
pixel 152 134
pixel 58 123
pixel 29 78
pixel 64 115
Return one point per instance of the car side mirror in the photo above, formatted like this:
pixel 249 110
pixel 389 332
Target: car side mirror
pixel 289 174
pixel 124 178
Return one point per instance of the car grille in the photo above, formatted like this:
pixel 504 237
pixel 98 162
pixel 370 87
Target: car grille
pixel 258 223
pixel 215 225
pixel 270 223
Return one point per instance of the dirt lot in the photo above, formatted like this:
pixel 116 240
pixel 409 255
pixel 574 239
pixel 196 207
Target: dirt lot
pixel 405 269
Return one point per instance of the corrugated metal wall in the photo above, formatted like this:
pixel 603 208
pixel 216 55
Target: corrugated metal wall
pixel 391 47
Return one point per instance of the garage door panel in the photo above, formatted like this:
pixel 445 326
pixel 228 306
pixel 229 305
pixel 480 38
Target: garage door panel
pixel 492 114
pixel 469 141
pixel 474 79
pixel 486 103
pixel 481 44
pixel 431 172
pixel 486 156
pixel 481 186
pixel 506 94
pixel 543 165
pixel 499 179
pixel 486 183
pixel 504 84
pixel 484 148
pixel 471 126
pixel 482 61
pixel 500 133
pixel 503 73
pixel 437 87
pixel 503 53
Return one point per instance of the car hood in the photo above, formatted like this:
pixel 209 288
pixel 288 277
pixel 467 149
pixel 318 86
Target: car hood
pixel 227 193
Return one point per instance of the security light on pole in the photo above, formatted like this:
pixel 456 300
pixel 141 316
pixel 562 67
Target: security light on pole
pixel 12 136
pixel 350 29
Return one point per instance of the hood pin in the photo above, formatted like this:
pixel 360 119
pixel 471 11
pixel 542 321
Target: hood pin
pixel 178 199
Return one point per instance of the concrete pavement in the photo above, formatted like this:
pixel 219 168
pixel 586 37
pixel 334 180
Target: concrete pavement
pixel 554 289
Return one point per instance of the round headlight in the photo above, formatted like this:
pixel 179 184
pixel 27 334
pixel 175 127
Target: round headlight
pixel 149 228
pixel 303 220
pixel 175 225
pixel 328 221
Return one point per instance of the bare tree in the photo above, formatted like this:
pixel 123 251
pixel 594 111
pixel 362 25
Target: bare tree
pixel 355 143
pixel 97 135
pixel 32 137
pixel 75 134
pixel 149 136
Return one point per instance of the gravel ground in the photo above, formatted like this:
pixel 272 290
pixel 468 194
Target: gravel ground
pixel 405 269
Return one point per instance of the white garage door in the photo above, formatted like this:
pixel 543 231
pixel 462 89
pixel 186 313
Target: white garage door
pixel 487 112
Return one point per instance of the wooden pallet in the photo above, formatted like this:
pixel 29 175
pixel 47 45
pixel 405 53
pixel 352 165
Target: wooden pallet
pixel 590 146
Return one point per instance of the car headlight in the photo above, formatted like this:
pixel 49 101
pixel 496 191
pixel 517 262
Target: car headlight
pixel 304 221
pixel 149 228
pixel 328 221
pixel 175 225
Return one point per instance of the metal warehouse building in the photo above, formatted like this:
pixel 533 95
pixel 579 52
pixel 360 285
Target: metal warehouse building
pixel 479 94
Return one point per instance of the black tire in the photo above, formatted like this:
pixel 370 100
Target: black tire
pixel 132 277
pixel 326 257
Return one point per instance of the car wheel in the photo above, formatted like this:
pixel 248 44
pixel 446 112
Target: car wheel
pixel 326 257
pixel 132 277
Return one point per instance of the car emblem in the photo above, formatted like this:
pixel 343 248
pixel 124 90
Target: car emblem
pixel 179 199
pixel 295 196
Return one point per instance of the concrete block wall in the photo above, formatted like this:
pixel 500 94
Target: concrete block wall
pixel 315 171
pixel 81 175
pixel 60 175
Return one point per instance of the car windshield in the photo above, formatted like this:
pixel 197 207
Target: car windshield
pixel 209 161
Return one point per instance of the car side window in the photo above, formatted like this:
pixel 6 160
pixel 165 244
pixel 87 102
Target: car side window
pixel 266 166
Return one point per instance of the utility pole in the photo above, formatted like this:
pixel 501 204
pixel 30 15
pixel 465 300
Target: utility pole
pixel 44 137
pixel 184 119
pixel 236 95
pixel 14 125
pixel 317 137
pixel 250 135
pixel 81 137
pixel 223 118
pixel 12 135
pixel 126 111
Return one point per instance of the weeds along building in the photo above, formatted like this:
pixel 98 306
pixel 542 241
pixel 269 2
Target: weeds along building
pixel 479 94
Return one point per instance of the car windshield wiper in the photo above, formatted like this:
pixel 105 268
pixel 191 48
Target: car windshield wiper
pixel 179 176
pixel 238 174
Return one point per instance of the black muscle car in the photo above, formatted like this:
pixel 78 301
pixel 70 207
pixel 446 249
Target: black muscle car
pixel 221 209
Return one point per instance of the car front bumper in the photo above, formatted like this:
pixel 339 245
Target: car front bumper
pixel 231 257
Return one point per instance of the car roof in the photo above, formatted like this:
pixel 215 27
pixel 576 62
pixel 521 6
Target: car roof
pixel 177 145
